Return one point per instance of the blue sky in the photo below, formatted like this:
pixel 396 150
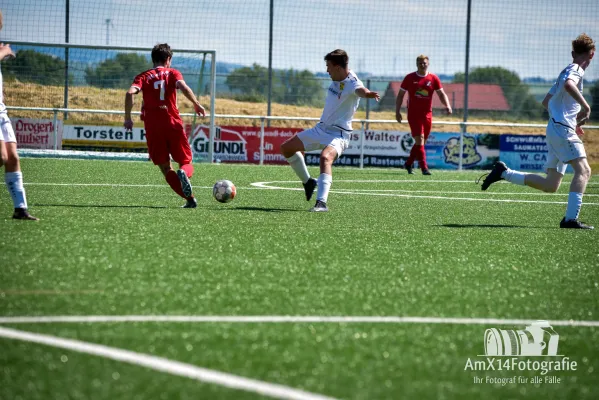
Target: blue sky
pixel 382 37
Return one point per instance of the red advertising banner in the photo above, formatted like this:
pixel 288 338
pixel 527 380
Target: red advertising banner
pixel 36 133
pixel 241 143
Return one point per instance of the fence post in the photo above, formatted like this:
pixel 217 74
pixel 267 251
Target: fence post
pixel 462 131
pixel 362 133
pixel 261 140
pixel 55 129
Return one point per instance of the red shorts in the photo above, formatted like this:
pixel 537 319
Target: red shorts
pixel 421 125
pixel 166 137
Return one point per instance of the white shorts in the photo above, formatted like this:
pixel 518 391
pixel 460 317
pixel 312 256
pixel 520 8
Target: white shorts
pixel 6 132
pixel 563 146
pixel 318 138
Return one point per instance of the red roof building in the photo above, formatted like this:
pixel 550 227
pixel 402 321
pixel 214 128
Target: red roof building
pixel 481 96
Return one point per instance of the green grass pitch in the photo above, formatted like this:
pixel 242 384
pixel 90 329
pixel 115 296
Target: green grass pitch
pixel 112 240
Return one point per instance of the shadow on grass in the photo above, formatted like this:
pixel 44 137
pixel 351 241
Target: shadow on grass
pixel 485 226
pixel 263 209
pixel 93 206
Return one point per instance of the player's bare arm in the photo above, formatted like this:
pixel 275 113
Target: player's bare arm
pixel 367 94
pixel 187 92
pixel 129 100
pixel 445 100
pixel 6 51
pixel 573 91
pixel 398 103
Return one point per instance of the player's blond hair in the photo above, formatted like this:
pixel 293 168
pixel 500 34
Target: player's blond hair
pixel 583 44
pixel 421 57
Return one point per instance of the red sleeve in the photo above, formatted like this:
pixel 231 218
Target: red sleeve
pixel 138 81
pixel 437 83
pixel 404 83
pixel 177 75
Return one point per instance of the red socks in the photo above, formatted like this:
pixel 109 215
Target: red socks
pixel 173 181
pixel 188 168
pixel 417 154
pixel 422 159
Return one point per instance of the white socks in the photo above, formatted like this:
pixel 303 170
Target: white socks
pixel 574 204
pixel 513 176
pixel 324 185
pixel 298 164
pixel 14 184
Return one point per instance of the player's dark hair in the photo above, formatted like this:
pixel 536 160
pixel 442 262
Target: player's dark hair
pixel 161 52
pixel 338 57
pixel 583 44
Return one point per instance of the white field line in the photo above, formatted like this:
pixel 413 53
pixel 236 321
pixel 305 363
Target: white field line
pixel 265 185
pixel 460 198
pixel 480 192
pixel 124 185
pixel 405 181
pixel 165 365
pixel 257 183
pixel 282 319
pixel 366 192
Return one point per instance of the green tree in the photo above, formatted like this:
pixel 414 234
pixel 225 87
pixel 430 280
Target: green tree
pixel 251 82
pixel 36 67
pixel 288 86
pixel 117 72
pixel 298 87
pixel 522 102
pixel 595 101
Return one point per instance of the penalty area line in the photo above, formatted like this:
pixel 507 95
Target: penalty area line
pixel 164 365
pixel 283 319
pixel 265 185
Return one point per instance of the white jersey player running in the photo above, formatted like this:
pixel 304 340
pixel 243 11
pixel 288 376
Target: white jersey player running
pixel 568 111
pixel 9 158
pixel 332 133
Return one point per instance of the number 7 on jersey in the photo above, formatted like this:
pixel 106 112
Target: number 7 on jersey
pixel 160 84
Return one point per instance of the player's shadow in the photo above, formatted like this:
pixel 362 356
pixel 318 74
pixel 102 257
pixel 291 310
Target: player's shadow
pixel 483 226
pixel 263 209
pixel 94 206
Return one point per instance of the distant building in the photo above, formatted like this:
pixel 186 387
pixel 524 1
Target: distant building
pixel 481 97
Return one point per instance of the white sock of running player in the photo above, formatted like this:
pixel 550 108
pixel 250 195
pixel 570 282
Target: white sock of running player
pixel 298 164
pixel 574 204
pixel 512 176
pixel 324 185
pixel 14 184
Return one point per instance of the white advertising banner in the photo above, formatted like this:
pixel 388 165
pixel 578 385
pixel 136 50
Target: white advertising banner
pixel 103 134
pixel 102 138
pixel 37 133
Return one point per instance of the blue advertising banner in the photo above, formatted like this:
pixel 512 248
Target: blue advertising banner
pixel 480 151
pixel 392 148
pixel 523 152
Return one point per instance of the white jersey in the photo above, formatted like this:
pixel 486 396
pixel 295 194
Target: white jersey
pixel 2 106
pixel 342 102
pixel 562 107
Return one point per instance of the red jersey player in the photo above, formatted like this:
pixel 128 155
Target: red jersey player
pixel 164 128
pixel 420 86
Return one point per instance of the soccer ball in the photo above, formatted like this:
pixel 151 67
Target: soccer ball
pixel 224 191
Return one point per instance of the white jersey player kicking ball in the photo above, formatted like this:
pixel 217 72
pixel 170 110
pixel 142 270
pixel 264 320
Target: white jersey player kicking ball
pixel 332 133
pixel 568 111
